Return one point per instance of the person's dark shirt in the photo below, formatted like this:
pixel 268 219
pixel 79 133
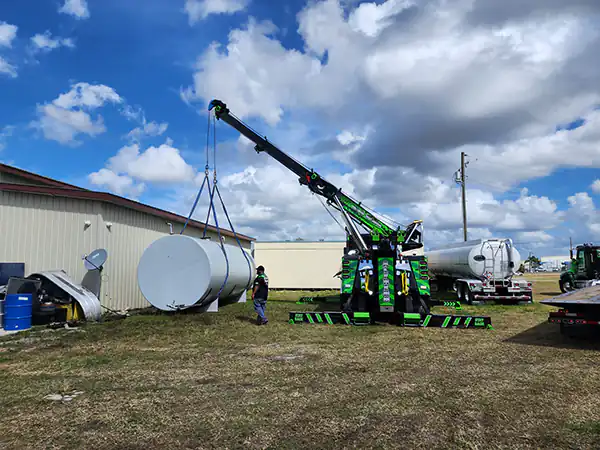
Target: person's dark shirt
pixel 262 282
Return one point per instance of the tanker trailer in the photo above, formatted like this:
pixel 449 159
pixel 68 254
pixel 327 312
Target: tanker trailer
pixel 479 270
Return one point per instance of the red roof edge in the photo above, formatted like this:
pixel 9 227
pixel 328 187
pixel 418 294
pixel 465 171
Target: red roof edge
pixel 85 194
pixel 35 177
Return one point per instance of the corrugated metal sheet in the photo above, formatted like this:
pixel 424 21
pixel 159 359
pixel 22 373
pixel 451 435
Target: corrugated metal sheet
pixel 300 264
pixel 47 232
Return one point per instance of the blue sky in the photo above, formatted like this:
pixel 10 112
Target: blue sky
pixel 332 68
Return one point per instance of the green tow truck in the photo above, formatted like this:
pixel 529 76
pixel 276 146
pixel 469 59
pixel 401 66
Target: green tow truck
pixel 397 288
pixel 584 270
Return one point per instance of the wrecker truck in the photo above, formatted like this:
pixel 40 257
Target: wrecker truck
pixel 398 289
pixel 584 270
pixel 579 305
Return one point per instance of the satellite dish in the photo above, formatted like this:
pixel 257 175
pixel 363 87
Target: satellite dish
pixel 96 259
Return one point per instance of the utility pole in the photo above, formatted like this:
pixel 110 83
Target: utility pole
pixel 570 247
pixel 464 193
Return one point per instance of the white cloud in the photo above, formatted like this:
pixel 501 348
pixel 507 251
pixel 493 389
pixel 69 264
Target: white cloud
pixel 84 95
pixel 402 88
pixel 596 187
pixel 148 129
pixel 265 201
pixel 119 184
pixel 162 164
pixel 584 210
pixel 5 132
pixel 63 125
pixel 347 137
pixel 533 237
pixel 240 76
pixel 511 82
pixel 70 114
pixel 7 68
pixel 8 33
pixel 76 8
pixel 200 9
pixel 45 42
pixel 370 18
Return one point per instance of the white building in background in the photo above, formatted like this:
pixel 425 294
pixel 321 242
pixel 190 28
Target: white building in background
pixel 554 262
pixel 301 264
pixel 46 225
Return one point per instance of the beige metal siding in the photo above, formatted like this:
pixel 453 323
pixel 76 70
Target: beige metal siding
pixel 301 264
pixel 47 232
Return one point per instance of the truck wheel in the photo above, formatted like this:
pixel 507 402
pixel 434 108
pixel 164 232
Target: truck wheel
pixel 464 294
pixel 459 292
pixel 469 296
pixel 565 286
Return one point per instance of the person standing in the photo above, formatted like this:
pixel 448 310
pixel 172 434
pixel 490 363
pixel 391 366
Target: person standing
pixel 260 293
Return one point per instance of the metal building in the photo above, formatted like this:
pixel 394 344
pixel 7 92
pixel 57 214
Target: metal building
pixel 300 264
pixel 48 225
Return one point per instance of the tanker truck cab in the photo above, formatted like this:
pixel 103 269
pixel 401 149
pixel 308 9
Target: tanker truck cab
pixel 480 270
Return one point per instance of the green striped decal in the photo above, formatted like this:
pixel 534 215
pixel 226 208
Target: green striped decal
pixel 467 322
pixel 426 321
pixel 446 320
pixel 319 318
pixel 346 318
pixel 328 319
pixel 456 322
pixel 385 278
pixel 310 319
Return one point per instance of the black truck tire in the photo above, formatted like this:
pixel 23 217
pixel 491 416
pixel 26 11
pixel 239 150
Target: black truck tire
pixel 565 286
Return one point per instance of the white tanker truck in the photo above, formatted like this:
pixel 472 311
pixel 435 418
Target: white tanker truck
pixel 479 270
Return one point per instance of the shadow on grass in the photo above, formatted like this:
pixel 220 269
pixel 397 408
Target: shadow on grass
pixel 246 319
pixel 550 294
pixel 548 335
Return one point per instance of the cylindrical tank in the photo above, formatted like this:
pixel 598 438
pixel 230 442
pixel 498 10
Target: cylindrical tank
pixel 179 272
pixel 472 259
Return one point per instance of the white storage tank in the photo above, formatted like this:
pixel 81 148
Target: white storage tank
pixel 179 272
pixel 472 259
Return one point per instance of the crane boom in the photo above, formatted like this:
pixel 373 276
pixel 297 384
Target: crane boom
pixel 308 177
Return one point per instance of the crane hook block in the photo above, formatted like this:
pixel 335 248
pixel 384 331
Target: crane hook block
pixel 218 105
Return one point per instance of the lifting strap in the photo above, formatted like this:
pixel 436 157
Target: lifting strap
pixel 212 190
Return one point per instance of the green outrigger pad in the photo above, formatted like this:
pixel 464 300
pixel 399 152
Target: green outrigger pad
pixel 406 319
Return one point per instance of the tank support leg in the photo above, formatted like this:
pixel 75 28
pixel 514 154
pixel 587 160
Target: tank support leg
pixel 242 298
pixel 211 307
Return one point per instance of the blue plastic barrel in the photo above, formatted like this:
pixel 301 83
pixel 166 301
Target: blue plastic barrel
pixel 17 311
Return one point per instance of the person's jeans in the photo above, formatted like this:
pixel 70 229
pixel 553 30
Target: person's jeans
pixel 260 304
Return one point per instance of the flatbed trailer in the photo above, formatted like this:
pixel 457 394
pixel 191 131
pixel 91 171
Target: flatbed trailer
pixel 401 319
pixel 579 308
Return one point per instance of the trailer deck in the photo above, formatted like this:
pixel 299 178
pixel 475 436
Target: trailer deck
pixel 589 296
pixel 579 307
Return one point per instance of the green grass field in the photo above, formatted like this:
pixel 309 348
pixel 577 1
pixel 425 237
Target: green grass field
pixel 219 381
